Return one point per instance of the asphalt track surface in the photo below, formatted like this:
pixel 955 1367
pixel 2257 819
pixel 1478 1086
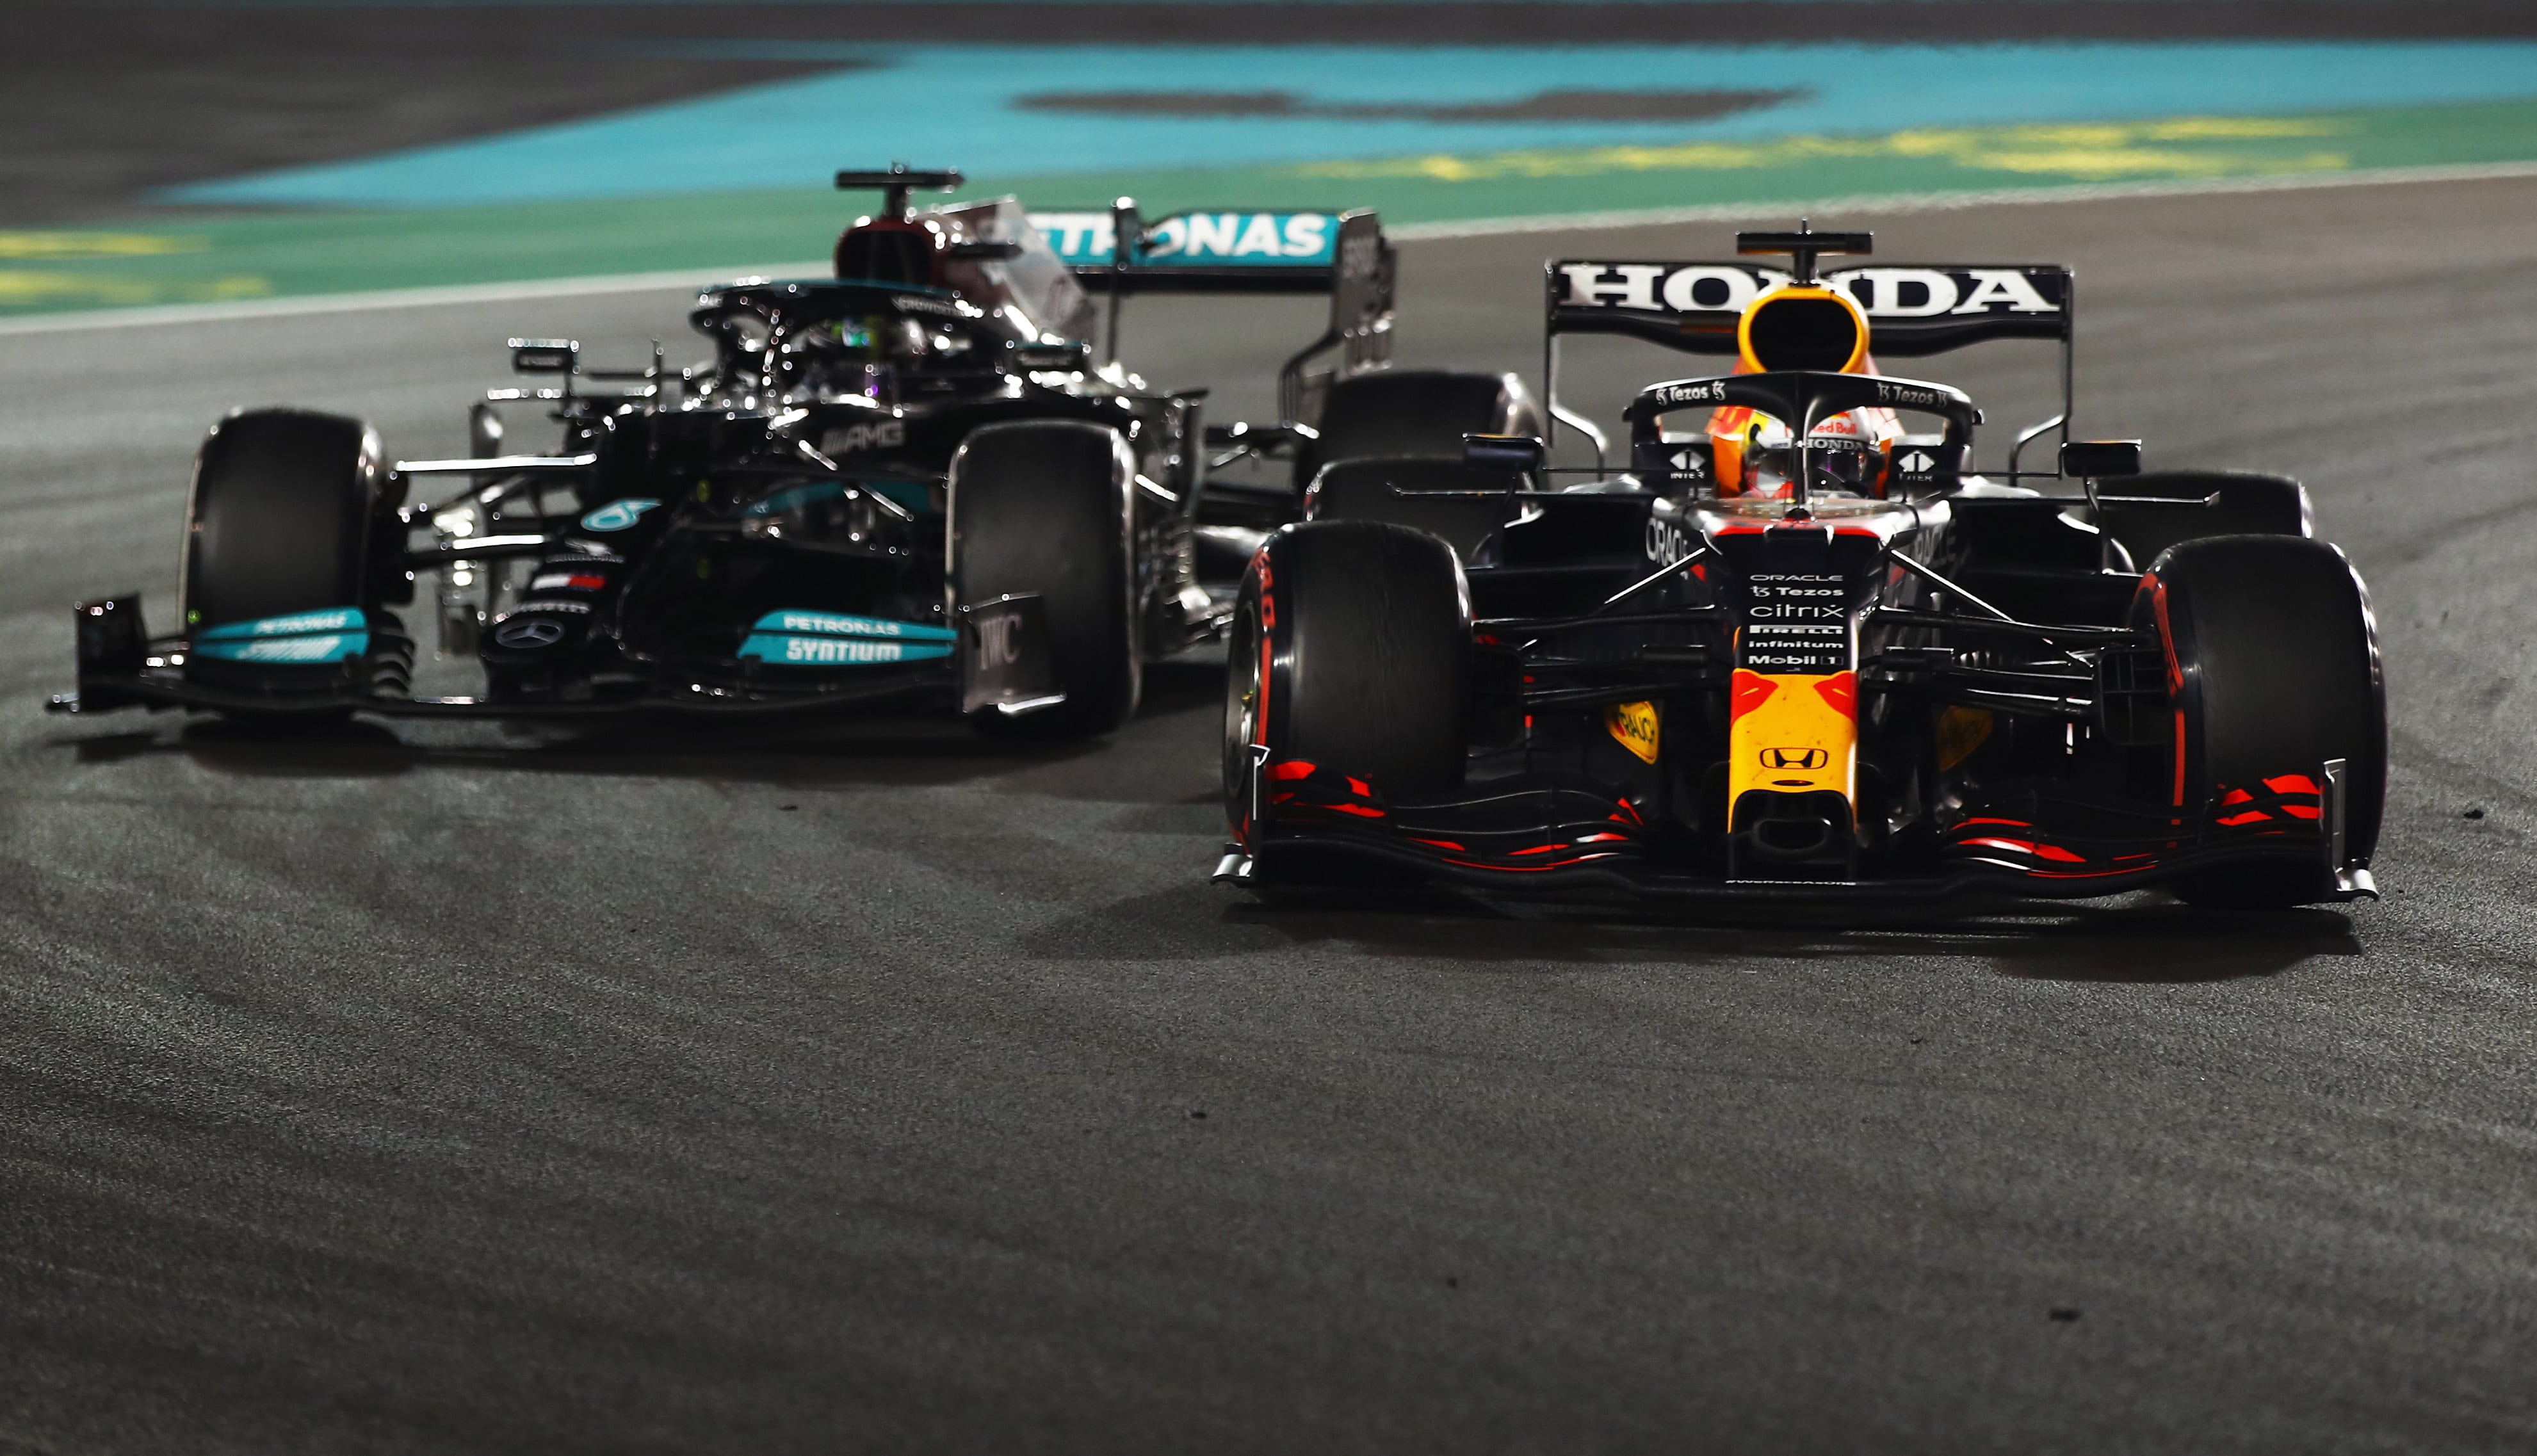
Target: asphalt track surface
pixel 444 1090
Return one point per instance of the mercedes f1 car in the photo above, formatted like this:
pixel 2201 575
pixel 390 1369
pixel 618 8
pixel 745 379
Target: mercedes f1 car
pixel 1794 648
pixel 908 482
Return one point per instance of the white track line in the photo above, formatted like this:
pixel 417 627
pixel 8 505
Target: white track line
pixel 267 308
pixel 629 283
pixel 1936 202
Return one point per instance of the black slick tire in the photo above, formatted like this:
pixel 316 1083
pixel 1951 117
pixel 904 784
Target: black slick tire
pixel 2246 504
pixel 1351 649
pixel 1414 412
pixel 1046 507
pixel 1373 488
pixel 2275 672
pixel 285 516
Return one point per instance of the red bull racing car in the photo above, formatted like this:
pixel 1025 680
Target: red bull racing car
pixel 1796 647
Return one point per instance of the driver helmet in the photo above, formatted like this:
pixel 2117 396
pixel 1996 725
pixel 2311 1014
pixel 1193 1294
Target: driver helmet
pixel 862 355
pixel 1802 325
pixel 1852 452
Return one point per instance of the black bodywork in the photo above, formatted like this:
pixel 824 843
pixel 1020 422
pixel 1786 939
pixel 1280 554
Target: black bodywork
pixel 2001 668
pixel 767 533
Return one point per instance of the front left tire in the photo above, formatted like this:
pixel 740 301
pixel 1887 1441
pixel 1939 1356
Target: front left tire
pixel 2275 672
pixel 1351 652
pixel 284 517
pixel 1047 507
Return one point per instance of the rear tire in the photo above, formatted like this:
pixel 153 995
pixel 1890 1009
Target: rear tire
pixel 1351 650
pixel 284 517
pixel 2273 638
pixel 1414 412
pixel 1047 507
pixel 1370 490
pixel 2250 504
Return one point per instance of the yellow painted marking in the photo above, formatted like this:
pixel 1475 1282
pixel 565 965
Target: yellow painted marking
pixel 59 247
pixel 1794 725
pixel 1634 727
pixel 19 287
pixel 2089 151
pixel 1961 730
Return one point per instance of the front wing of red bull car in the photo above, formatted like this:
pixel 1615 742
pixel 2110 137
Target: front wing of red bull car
pixel 1841 665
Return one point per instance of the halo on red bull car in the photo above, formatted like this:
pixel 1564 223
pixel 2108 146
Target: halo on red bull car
pixel 1796 642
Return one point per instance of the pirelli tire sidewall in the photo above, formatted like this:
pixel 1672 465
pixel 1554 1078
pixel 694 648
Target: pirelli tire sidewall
pixel 1047 507
pixel 1356 637
pixel 2274 669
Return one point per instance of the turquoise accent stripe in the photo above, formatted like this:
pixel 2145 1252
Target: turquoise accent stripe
pixel 972 106
pixel 331 647
pixel 618 515
pixel 1201 239
pixel 798 495
pixel 297 624
pixel 330 635
pixel 836 652
pixel 912 495
pixel 832 624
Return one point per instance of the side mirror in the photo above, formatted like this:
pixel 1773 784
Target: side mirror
pixel 1926 466
pixel 1064 358
pixel 544 355
pixel 985 251
pixel 1670 466
pixel 1504 452
pixel 484 431
pixel 2094 460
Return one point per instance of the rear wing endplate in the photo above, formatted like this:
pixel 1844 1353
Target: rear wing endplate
pixel 1342 254
pixel 1912 311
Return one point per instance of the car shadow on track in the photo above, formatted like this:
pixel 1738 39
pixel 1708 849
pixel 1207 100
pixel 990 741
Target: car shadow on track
pixel 2139 938
pixel 883 750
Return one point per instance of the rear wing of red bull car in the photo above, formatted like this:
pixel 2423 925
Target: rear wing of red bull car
pixel 1912 311
pixel 1342 254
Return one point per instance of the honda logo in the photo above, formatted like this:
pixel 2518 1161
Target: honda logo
pixel 1795 758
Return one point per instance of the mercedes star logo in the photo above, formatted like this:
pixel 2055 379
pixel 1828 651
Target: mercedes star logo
pixel 527 634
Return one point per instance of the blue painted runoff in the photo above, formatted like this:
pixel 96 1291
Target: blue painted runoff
pixel 967 106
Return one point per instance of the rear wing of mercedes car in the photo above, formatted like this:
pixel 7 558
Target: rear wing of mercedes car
pixel 1342 254
pixel 1912 311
